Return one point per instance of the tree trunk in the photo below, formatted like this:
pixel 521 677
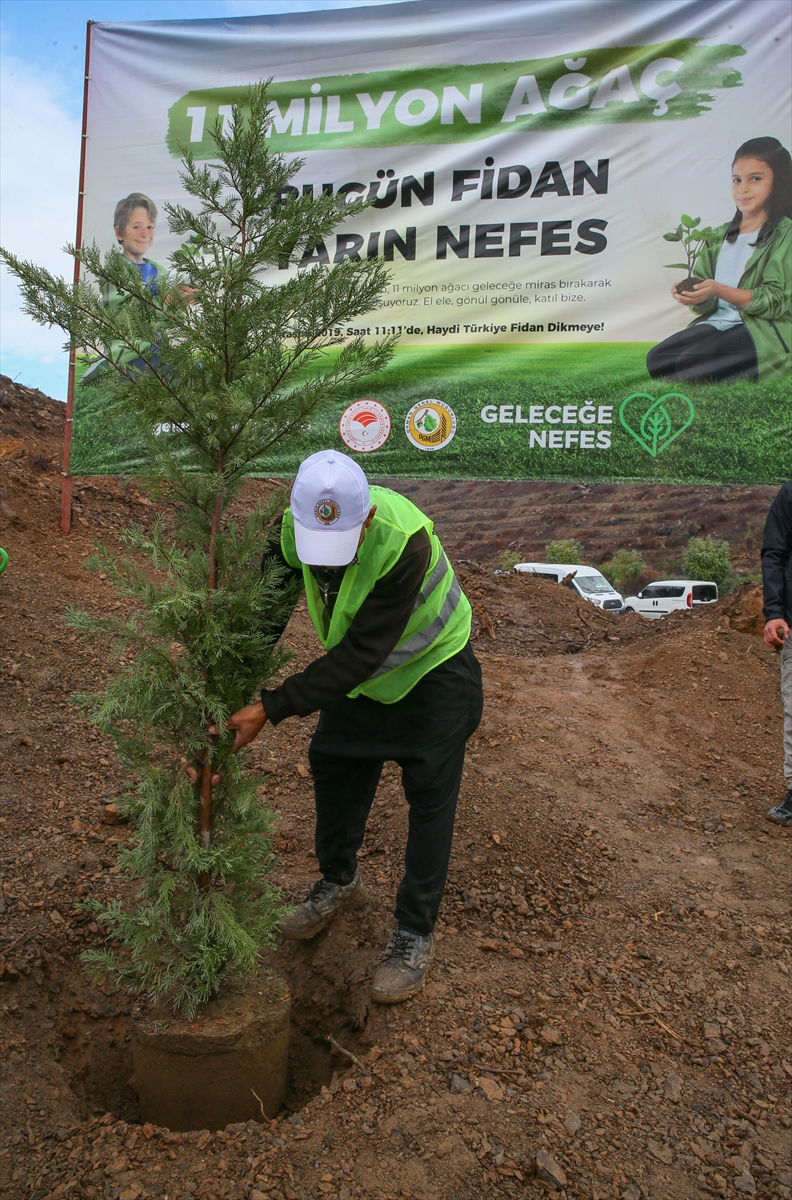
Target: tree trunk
pixel 205 782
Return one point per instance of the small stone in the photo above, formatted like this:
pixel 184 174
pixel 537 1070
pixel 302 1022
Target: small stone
pixel 632 1192
pixel 548 1170
pixel 664 1153
pixel 302 771
pixel 550 1036
pixel 459 1084
pixel 111 815
pixel 491 1088
pixel 255 1194
pixel 572 1122
pixel 349 1085
pixel 702 1150
pixel 746 1182
pixel 712 1029
pixel 672 1088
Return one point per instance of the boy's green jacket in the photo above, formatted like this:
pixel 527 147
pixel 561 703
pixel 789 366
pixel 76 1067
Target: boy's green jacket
pixel 113 299
pixel 768 318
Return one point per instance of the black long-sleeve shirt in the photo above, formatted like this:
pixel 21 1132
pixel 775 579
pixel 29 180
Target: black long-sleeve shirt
pixel 376 628
pixel 777 558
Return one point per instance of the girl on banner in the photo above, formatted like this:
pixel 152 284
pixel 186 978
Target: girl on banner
pixel 743 327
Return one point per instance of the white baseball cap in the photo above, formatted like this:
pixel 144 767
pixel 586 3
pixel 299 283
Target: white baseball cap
pixel 330 500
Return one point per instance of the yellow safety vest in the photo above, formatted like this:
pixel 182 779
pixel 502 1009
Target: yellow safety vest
pixel 439 625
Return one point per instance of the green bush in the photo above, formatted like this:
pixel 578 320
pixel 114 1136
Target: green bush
pixel 509 560
pixel 564 550
pixel 707 558
pixel 624 567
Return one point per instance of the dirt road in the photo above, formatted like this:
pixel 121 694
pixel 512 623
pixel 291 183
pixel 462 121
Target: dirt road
pixel 607 1015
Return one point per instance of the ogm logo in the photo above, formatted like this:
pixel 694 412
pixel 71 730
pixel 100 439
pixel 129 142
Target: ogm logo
pixel 430 425
pixel 327 511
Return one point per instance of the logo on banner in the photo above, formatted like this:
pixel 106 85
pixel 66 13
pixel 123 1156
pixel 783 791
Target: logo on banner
pixel 655 424
pixel 365 425
pixel 430 425
pixel 327 511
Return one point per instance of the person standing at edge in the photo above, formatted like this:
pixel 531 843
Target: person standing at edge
pixel 777 589
pixel 399 681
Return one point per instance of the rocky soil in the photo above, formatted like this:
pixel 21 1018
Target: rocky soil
pixel 607 1015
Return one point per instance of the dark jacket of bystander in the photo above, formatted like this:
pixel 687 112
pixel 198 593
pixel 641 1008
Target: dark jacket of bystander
pixel 777 558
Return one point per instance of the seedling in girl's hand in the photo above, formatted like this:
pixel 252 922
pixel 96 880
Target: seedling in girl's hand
pixel 693 241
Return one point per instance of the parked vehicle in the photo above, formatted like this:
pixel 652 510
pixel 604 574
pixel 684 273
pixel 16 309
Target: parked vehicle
pixel 588 582
pixel 666 595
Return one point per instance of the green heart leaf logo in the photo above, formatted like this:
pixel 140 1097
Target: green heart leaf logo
pixel 655 424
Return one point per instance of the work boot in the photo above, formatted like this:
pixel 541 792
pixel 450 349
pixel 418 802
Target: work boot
pixel 402 972
pixel 324 900
pixel 783 811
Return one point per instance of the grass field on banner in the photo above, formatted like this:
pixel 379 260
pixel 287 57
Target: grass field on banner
pixel 740 432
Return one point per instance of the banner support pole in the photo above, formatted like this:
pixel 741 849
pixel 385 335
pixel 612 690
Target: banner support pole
pixel 66 485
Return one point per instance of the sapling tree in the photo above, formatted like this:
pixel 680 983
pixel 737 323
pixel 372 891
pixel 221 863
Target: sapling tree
pixel 233 361
pixel 708 558
pixel 693 240
pixel 564 550
pixel 625 566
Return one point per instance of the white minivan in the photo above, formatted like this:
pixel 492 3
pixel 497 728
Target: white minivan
pixel 588 582
pixel 666 595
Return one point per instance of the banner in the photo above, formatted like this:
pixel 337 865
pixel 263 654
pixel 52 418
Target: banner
pixel 526 159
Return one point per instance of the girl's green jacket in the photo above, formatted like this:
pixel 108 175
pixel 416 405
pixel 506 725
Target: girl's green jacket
pixel 768 318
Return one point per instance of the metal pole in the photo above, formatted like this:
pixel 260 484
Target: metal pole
pixel 66 487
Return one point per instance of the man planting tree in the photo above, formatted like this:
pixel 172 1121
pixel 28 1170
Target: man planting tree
pixel 399 681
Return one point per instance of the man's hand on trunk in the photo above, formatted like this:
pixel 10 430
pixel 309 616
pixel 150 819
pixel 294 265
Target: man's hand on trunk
pixel 247 722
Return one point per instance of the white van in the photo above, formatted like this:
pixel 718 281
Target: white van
pixel 588 582
pixel 666 595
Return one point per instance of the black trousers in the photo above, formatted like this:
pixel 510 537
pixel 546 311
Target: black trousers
pixel 425 733
pixel 705 354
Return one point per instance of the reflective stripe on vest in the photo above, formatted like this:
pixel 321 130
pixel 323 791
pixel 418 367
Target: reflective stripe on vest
pixel 423 639
pixel 439 572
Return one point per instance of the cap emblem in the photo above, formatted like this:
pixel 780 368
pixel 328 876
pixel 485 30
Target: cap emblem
pixel 327 511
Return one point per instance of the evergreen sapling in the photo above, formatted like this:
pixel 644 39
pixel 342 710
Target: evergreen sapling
pixel 236 361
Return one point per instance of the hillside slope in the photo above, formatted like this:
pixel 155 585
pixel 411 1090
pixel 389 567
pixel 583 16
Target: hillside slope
pixel 607 1014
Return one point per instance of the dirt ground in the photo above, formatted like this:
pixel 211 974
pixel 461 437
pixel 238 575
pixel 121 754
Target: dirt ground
pixel 607 1014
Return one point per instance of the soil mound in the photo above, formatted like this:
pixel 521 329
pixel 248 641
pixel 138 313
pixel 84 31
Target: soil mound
pixel 607 1012
pixel 743 609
